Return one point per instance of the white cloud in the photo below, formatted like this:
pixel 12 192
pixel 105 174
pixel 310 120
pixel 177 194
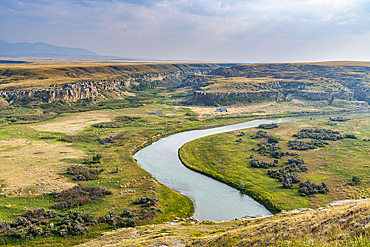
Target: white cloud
pixel 189 29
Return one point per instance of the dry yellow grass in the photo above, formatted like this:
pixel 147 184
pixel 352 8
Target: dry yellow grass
pixel 72 124
pixel 327 226
pixel 34 166
pixel 42 74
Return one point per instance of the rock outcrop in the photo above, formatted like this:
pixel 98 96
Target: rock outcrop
pixel 319 95
pixel 86 90
pixel 217 95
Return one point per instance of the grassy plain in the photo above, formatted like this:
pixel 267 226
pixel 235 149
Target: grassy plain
pixel 220 156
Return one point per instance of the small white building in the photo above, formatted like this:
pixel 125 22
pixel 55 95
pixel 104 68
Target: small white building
pixel 221 110
pixel 158 112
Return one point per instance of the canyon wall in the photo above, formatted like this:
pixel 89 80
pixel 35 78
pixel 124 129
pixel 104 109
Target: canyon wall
pixel 201 94
pixel 85 90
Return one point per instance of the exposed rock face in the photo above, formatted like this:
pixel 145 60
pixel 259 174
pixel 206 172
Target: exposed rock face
pixel 200 94
pixel 196 81
pixel 313 95
pixel 318 95
pixel 85 90
pixel 69 92
pixel 353 79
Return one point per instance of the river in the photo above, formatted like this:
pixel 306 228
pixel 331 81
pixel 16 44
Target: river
pixel 212 200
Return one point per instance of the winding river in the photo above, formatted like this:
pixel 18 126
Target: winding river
pixel 212 200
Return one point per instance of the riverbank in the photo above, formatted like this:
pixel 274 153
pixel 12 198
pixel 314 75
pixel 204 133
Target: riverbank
pixel 224 159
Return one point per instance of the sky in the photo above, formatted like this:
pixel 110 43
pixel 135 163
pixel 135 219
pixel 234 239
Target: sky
pixel 240 31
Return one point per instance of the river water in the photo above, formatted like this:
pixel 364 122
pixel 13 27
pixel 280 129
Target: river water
pixel 212 200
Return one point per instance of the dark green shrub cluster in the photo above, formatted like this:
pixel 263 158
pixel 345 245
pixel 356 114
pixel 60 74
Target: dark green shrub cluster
pixel 322 134
pixel 287 175
pixel 265 148
pixel 309 188
pixel 83 173
pixel 146 201
pixel 331 123
pixel 268 126
pixel 260 134
pixel 356 180
pixel 273 139
pixel 123 220
pixel 128 218
pixel 110 125
pixel 339 119
pixel 105 140
pixel 291 154
pixel 263 164
pixel 79 138
pixel 119 122
pixel 126 118
pixel 241 134
pixel 263 134
pixel 278 154
pixel 31 118
pixel 302 145
pixel 350 136
pixel 77 196
pixel 319 134
pixel 40 222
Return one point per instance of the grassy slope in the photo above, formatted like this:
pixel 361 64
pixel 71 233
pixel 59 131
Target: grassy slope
pixel 221 157
pixel 343 225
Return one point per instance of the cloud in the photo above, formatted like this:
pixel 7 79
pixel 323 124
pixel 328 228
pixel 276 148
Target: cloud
pixel 207 29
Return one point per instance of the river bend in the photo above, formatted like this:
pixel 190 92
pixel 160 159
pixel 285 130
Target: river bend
pixel 212 199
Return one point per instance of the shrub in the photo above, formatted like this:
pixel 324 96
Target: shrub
pixel 41 222
pixel 301 145
pixel 268 126
pixel 339 119
pixel 97 158
pixel 273 139
pixel 356 180
pixel 309 188
pixel 77 196
pixel 83 173
pixel 260 134
pixel 146 201
pixel 105 140
pixel 262 164
pixel 322 134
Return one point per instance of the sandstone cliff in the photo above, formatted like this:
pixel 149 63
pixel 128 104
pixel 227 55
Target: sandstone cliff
pixel 319 95
pixel 85 90
pixel 217 95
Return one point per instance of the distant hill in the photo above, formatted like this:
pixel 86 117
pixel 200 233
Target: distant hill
pixel 45 50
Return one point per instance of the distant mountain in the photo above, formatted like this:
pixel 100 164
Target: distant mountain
pixel 45 50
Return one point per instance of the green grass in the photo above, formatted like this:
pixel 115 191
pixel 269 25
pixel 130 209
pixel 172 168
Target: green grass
pixel 220 157
pixel 115 155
